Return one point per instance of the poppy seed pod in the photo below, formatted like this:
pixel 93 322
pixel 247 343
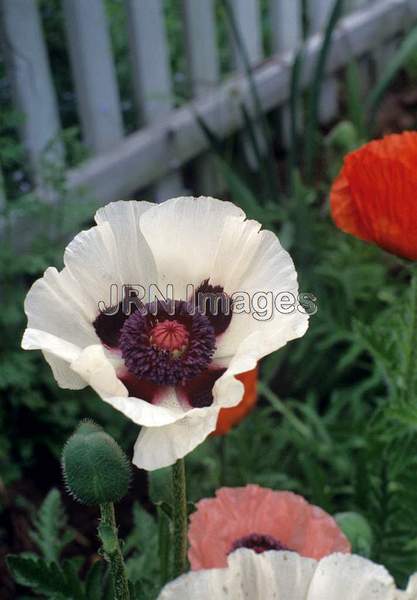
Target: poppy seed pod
pixel 95 468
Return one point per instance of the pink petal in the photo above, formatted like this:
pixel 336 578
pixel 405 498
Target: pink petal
pixel 238 512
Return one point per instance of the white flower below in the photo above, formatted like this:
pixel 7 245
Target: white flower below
pixel 168 370
pixel 288 576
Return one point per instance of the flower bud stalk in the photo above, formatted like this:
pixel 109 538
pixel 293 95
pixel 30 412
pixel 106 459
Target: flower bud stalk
pixel 107 532
pixel 180 517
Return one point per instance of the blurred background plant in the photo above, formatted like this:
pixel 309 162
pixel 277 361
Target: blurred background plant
pixel 331 422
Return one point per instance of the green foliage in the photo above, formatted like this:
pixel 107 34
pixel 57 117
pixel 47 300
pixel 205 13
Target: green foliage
pixel 357 530
pixel 312 130
pixel 58 582
pixel 47 574
pixel 43 577
pixel 407 49
pixel 51 533
pixel 336 419
pixel 96 470
pixel 141 549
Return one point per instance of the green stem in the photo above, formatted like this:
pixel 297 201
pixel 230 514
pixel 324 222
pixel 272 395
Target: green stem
pixel 179 497
pixel 107 532
pixel 411 347
pixel 223 460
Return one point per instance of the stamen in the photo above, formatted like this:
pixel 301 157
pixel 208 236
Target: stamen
pixel 258 542
pixel 167 343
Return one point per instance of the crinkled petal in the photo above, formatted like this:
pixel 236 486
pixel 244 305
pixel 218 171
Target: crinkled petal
pixel 350 577
pixel 64 375
pixel 286 576
pixel 411 591
pixel 96 369
pixel 183 234
pixel 281 575
pixel 91 260
pixel 168 409
pixel 242 511
pixel 35 339
pixel 135 261
pixel 158 447
pixel 213 584
pixel 55 304
pixel 373 198
pixel 267 576
pixel 260 278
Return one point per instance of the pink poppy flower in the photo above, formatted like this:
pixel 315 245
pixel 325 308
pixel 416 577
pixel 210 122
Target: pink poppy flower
pixel 260 519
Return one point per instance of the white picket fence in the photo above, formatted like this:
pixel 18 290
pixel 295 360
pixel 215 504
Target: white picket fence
pixel 168 137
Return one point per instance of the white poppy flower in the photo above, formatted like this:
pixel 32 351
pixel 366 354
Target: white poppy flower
pixel 165 366
pixel 284 575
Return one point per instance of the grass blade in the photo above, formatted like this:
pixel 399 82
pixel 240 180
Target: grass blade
pixel 259 114
pixel 295 97
pixel 311 145
pixel 354 100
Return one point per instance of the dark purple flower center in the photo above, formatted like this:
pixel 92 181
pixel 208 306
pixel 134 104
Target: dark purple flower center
pixel 258 542
pixel 167 343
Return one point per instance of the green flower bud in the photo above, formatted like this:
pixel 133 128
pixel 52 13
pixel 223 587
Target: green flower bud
pixel 357 530
pixel 344 136
pixel 96 470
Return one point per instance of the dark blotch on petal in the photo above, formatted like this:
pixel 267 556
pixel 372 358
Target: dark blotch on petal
pixel 215 305
pixel 108 327
pixel 199 391
pixel 140 388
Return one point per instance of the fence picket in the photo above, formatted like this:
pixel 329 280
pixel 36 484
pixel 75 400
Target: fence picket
pixel 94 73
pixel 33 91
pixel 318 14
pixel 246 14
pixel 286 34
pixel 203 70
pixel 248 20
pixel 143 157
pixel 151 76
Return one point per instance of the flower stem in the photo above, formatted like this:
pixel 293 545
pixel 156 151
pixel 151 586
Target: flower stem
pixel 107 532
pixel 223 460
pixel 411 344
pixel 179 497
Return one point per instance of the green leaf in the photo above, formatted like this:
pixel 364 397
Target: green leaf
pixel 44 578
pixel 74 585
pixel 160 485
pixel 94 581
pixel 51 533
pixel 144 528
pixel 354 100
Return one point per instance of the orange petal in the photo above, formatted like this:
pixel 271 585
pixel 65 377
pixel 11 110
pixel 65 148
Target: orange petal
pixel 232 416
pixel 375 195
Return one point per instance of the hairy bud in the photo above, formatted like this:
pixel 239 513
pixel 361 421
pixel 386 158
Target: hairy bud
pixel 95 468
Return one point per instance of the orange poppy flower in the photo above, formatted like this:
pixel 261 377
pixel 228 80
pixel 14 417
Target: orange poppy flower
pixel 232 416
pixel 375 195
